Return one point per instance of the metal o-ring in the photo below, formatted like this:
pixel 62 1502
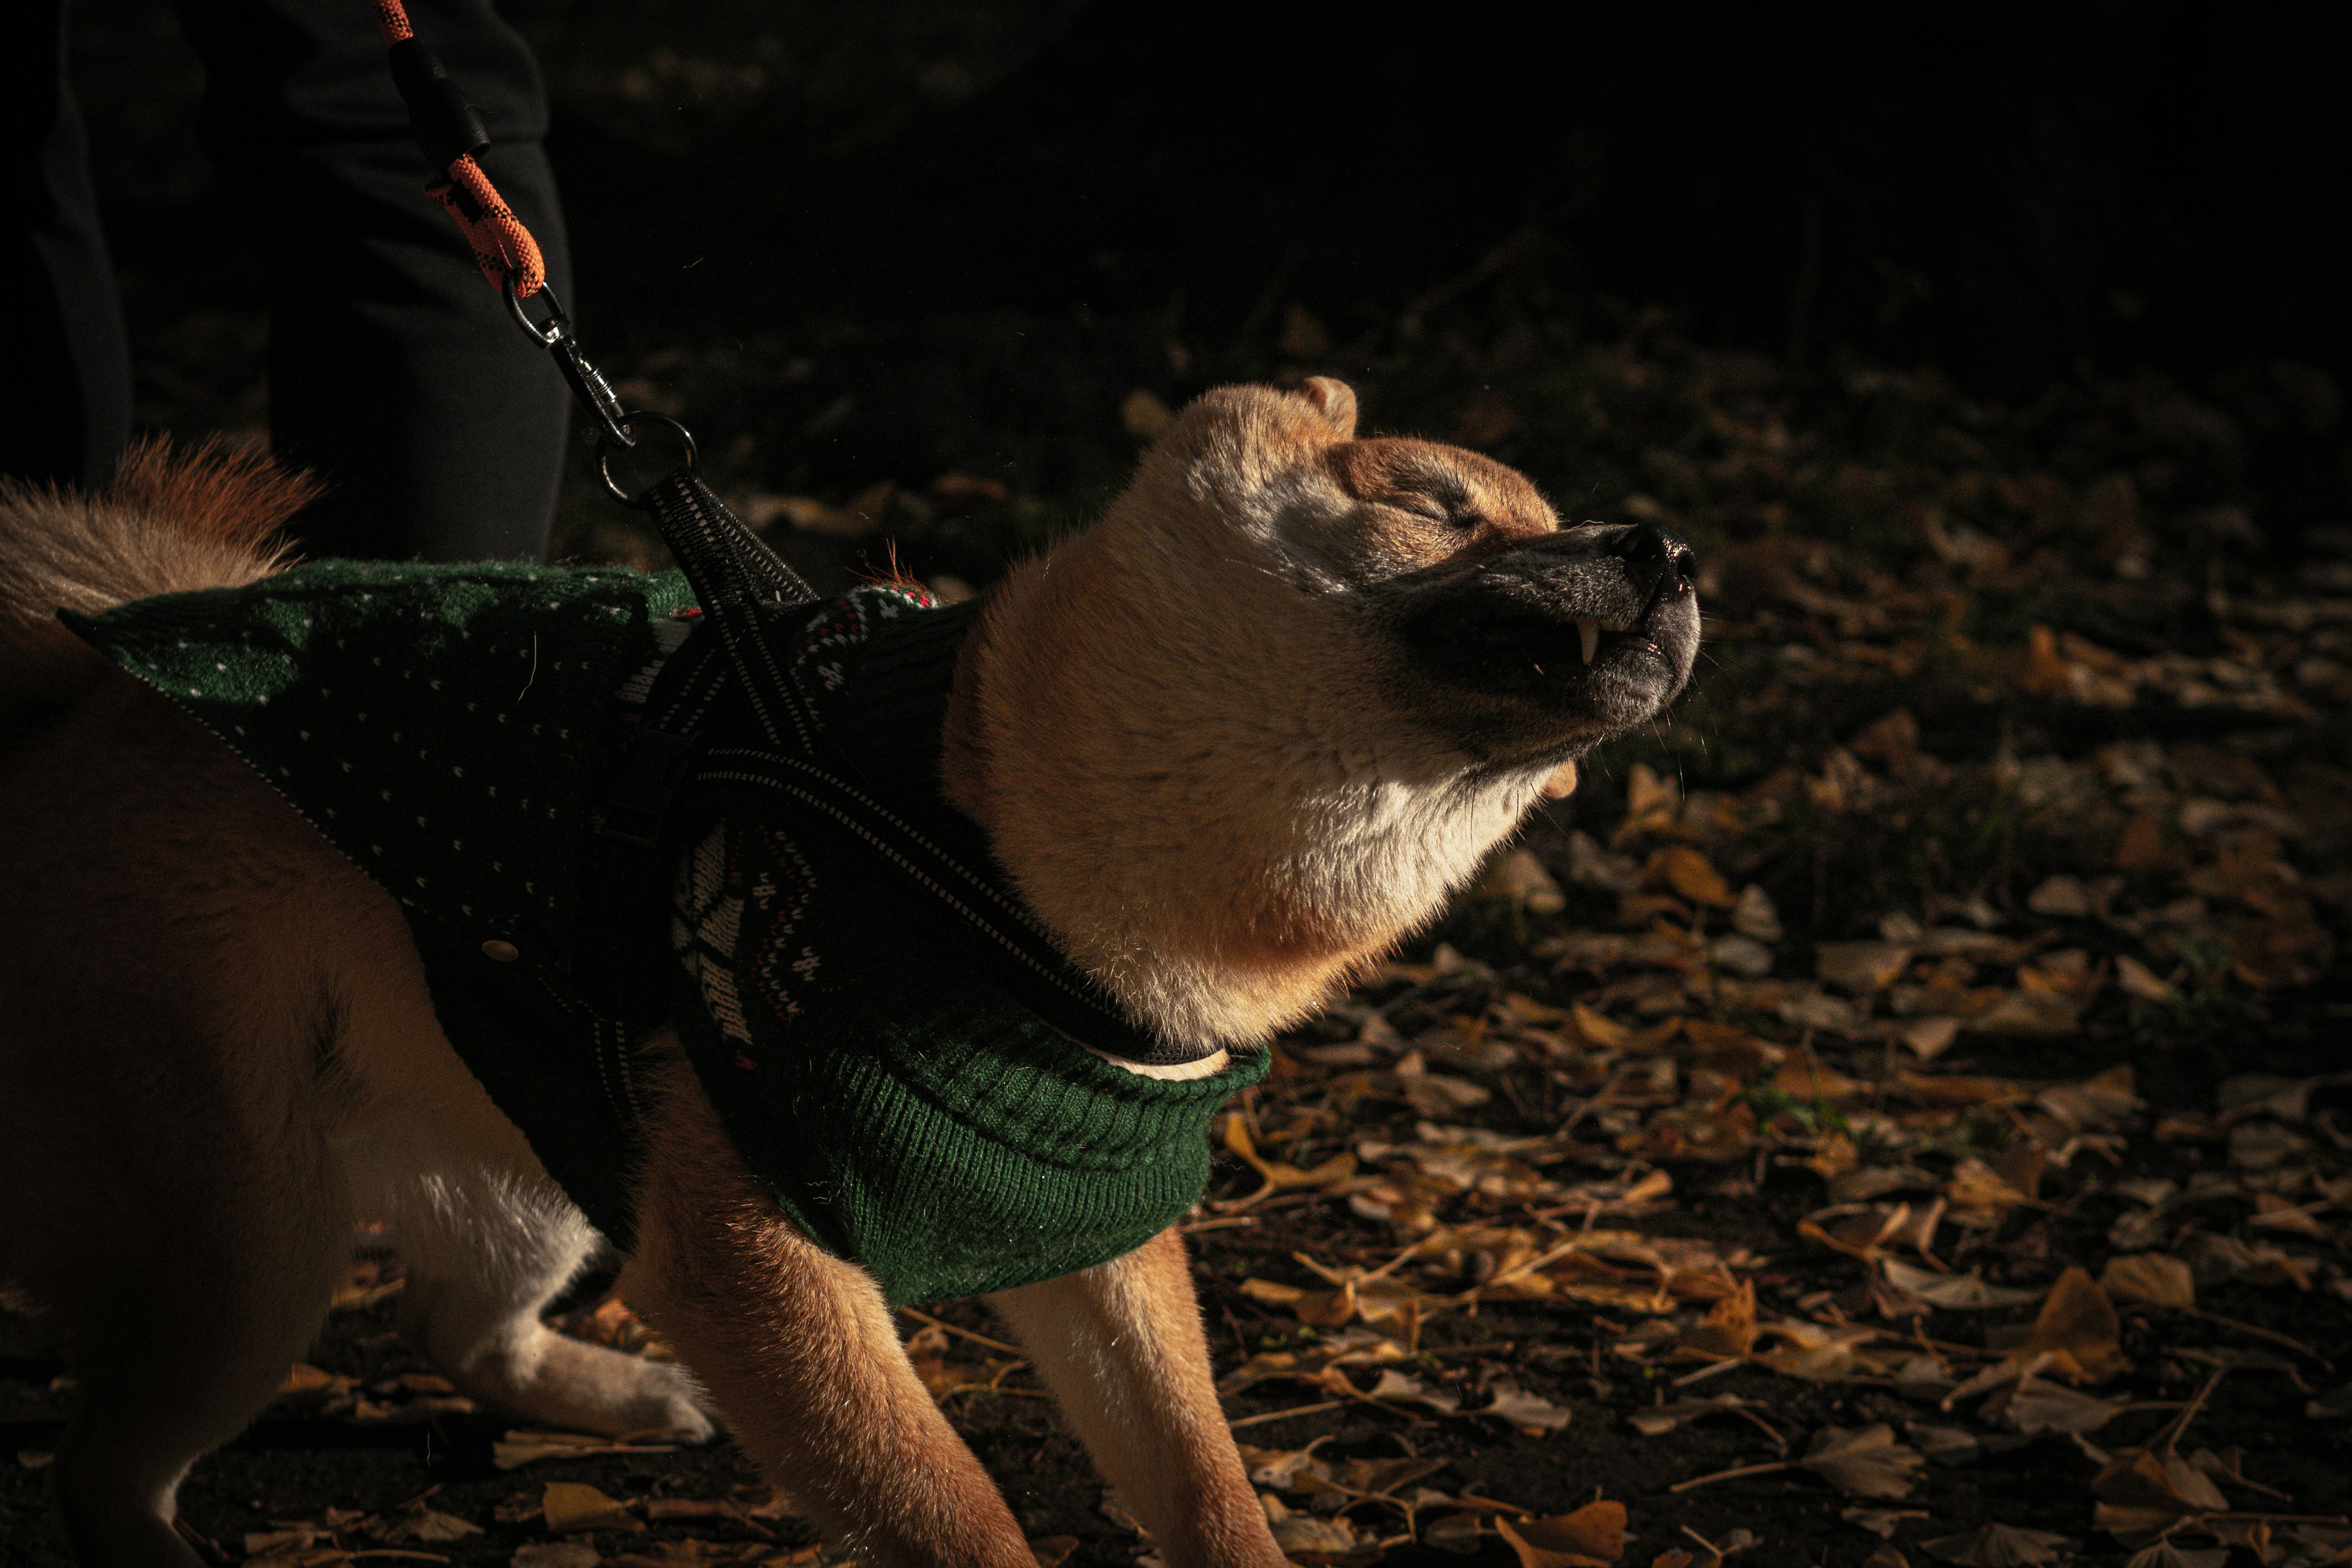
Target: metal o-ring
pixel 605 454
pixel 553 331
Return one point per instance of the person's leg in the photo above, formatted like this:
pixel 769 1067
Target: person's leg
pixel 395 371
pixel 62 341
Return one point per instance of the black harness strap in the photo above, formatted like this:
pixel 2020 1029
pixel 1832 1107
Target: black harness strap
pixel 729 730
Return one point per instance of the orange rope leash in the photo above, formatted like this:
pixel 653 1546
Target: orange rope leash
pixel 503 247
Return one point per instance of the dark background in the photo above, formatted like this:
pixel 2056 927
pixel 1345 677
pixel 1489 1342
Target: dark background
pixel 914 234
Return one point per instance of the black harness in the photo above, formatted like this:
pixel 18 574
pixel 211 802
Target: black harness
pixel 727 731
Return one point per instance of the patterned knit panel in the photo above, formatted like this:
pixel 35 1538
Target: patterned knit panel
pixel 448 728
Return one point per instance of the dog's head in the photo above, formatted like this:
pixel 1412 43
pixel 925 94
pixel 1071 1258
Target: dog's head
pixel 1499 629
pixel 1258 723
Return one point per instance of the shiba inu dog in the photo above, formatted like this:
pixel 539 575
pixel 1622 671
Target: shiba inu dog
pixel 1229 745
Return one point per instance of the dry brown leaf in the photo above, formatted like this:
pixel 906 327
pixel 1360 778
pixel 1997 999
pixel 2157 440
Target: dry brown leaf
pixel 1692 875
pixel 2164 1555
pixel 569 1506
pixel 556 1555
pixel 421 1523
pixel 2155 1278
pixel 2078 1321
pixel 1866 1461
pixel 1862 968
pixel 1530 1414
pixel 2037 1404
pixel 1306 1532
pixel 1403 1389
pixel 1519 879
pixel 2144 1479
pixel 2136 979
pixel 1599 1029
pixel 1999 1546
pixel 1280 1176
pixel 1729 1329
pixel 1053 1551
pixel 1656 1419
pixel 2028 1013
pixel 1592 1537
pixel 1958 1292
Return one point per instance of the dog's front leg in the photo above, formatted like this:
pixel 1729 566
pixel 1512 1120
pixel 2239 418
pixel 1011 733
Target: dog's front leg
pixel 799 1352
pixel 1122 1346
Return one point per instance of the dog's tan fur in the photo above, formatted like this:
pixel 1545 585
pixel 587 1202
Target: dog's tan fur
pixel 1191 769
pixel 218 1049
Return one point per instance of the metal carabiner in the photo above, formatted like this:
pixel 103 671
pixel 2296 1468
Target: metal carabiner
pixel 589 387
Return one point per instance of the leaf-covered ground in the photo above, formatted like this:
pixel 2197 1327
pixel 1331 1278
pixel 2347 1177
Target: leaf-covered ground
pixel 1899 1110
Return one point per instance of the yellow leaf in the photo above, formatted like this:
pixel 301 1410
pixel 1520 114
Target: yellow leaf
pixel 1598 1028
pixel 1730 1327
pixel 1592 1537
pixel 2077 1319
pixel 1332 1171
pixel 1861 967
pixel 568 1506
pixel 2153 1276
pixel 1690 873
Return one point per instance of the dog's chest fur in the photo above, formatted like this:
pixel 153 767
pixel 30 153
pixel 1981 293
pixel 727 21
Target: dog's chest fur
pixel 453 730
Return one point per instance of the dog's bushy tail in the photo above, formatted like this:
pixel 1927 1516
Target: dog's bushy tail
pixel 174 520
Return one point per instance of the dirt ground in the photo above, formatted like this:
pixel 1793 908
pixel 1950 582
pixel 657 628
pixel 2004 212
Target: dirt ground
pixel 1899 1109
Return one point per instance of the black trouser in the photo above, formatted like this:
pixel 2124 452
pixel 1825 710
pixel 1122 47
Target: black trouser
pixel 395 372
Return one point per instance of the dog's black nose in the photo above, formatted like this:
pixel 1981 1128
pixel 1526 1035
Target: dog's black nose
pixel 1646 545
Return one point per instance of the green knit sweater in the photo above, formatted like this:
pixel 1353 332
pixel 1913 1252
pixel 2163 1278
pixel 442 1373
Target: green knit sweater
pixel 453 729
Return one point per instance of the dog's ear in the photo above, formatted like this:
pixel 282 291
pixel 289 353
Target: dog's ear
pixel 1335 400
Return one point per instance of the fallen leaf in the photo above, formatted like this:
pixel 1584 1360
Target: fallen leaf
pixel 1051 1551
pixel 1999 1546
pixel 1279 1176
pixel 1862 968
pixel 2165 1480
pixel 1519 879
pixel 1729 1329
pixel 1958 1292
pixel 1690 873
pixel 2154 1277
pixel 1306 1532
pixel 2062 896
pixel 569 1506
pixel 556 1555
pixel 2135 979
pixel 2078 1321
pixel 1592 1537
pixel 1866 1461
pixel 1754 917
pixel 1656 1419
pixel 2164 1555
pixel 1403 1389
pixel 421 1523
pixel 1534 1416
pixel 2037 1404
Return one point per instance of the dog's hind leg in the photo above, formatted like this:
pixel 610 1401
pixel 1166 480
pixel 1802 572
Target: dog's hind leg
pixel 484 1251
pixel 181 1331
